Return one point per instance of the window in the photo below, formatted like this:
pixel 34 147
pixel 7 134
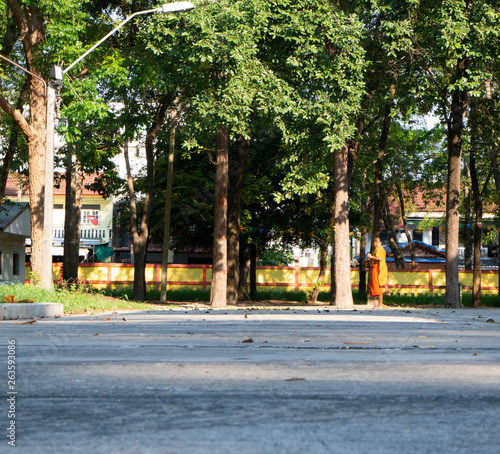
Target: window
pixel 1 263
pixel 16 264
pixel 91 214
pixel 435 236
pixel 417 235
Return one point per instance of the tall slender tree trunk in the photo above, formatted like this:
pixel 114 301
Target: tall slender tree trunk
pixel 168 207
pixel 253 271
pixel 323 262
pixel 36 165
pixel 140 232
pixel 244 269
pixel 405 225
pixel 478 195
pixel 467 216
pixel 333 275
pixel 379 193
pixel 341 246
pixel 393 243
pixel 362 263
pixel 237 169
pixel 74 188
pixel 362 244
pixel 459 106
pixel 494 149
pixel 218 293
pixel 478 231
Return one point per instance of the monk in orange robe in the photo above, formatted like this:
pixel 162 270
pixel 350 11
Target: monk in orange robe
pixel 379 274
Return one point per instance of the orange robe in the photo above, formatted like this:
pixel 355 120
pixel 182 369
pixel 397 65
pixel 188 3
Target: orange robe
pixel 379 274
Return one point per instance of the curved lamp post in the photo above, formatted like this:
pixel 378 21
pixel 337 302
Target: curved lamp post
pixel 57 74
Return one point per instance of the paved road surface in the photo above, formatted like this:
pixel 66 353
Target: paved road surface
pixel 206 381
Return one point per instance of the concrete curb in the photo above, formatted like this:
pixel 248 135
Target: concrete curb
pixel 13 311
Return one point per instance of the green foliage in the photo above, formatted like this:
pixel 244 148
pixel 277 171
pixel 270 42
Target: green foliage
pixel 430 221
pixel 276 256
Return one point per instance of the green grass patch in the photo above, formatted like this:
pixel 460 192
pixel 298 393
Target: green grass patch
pixel 74 302
pixel 486 300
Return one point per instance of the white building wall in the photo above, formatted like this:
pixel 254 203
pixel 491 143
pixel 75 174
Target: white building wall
pixel 9 246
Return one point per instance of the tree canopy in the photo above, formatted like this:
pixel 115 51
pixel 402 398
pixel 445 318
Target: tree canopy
pixel 320 95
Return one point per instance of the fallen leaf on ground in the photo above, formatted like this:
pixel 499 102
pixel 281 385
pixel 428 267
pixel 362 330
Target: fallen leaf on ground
pixel 25 323
pixel 247 341
pixel 295 379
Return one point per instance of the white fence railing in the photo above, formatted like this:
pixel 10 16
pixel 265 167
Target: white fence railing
pixel 96 234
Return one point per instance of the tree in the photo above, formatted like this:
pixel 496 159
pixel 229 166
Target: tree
pixel 482 150
pixel 213 59
pixel 30 24
pixel 41 41
pixel 458 39
pixel 127 78
pixel 327 101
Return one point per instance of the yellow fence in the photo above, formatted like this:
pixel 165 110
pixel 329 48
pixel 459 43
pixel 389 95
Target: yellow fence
pixel 116 276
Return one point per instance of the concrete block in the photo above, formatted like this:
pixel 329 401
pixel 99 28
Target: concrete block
pixel 13 311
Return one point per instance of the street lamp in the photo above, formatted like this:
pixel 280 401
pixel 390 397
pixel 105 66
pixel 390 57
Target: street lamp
pixel 168 8
pixel 57 74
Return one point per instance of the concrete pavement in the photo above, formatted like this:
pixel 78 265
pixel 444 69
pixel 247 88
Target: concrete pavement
pixel 312 380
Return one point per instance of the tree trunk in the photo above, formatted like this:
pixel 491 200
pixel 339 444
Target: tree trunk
pixel 237 169
pixel 342 271
pixel 74 188
pixel 379 193
pixel 133 205
pixel 333 282
pixel 467 216
pixel 478 195
pixel 244 269
pixel 478 206
pixel 141 233
pixel 494 148
pixel 323 248
pixel 455 132
pixel 253 272
pixel 168 207
pixel 405 225
pixel 397 253
pixel 218 293
pixel 476 283
pixel 362 264
pixel 36 165
pixel 31 26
